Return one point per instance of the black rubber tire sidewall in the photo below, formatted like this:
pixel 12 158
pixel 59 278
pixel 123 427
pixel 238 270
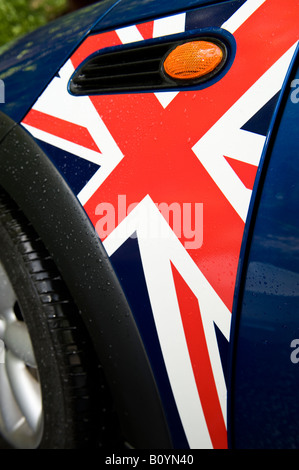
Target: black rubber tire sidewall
pixel 58 343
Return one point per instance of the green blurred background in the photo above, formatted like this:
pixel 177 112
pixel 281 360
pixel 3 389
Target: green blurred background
pixel 18 17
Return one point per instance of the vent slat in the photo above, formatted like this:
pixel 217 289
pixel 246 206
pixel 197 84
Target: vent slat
pixel 145 79
pixel 126 68
pixel 110 89
pixel 133 55
pixel 98 64
pixel 128 76
pixel 122 69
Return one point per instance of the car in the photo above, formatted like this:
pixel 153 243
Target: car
pixel 149 260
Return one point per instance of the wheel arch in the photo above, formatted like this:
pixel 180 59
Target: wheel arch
pixel 30 178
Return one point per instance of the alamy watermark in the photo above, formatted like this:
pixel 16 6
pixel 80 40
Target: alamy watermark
pixel 1 352
pixel 295 92
pixel 2 92
pixel 295 353
pixel 185 219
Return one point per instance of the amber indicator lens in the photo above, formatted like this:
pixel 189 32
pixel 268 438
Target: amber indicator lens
pixel 193 60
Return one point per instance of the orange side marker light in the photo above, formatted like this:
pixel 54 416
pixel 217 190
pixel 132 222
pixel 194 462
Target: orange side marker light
pixel 193 60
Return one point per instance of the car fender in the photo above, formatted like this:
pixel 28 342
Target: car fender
pixel 127 156
pixel 34 183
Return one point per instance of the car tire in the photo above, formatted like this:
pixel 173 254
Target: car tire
pixel 52 391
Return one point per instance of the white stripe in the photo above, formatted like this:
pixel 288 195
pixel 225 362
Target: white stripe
pixel 106 165
pixel 166 97
pixel 242 14
pixel 252 146
pixel 57 102
pixel 169 25
pixel 129 34
pixel 71 147
pixel 163 27
pixel 158 246
pixel 166 315
pixel 219 139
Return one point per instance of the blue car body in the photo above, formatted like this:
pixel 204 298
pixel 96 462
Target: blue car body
pixel 196 332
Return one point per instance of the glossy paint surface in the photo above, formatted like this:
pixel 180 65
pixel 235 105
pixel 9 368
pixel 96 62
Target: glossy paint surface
pixel 265 379
pixel 28 64
pixel 136 11
pixel 167 179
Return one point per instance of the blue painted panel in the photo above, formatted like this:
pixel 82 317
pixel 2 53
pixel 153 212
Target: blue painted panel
pixel 76 170
pixel 131 11
pixel 213 15
pixel 264 403
pixel 260 122
pixel 127 264
pixel 28 64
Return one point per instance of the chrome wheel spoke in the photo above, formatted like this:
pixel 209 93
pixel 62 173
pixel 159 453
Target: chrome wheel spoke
pixel 10 414
pixel 21 417
pixel 7 296
pixel 25 388
pixel 17 340
pixel 13 424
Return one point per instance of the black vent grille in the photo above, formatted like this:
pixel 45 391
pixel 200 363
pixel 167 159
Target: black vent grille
pixel 133 68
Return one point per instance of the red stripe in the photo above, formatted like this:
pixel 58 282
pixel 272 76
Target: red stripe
pixel 200 360
pixel 60 128
pixel 158 160
pixel 157 143
pixel 245 171
pixel 261 41
pixel 93 44
pixel 146 29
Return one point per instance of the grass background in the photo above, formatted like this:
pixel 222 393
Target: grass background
pixel 18 17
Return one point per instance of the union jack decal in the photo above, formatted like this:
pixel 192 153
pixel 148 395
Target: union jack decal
pixel 175 147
